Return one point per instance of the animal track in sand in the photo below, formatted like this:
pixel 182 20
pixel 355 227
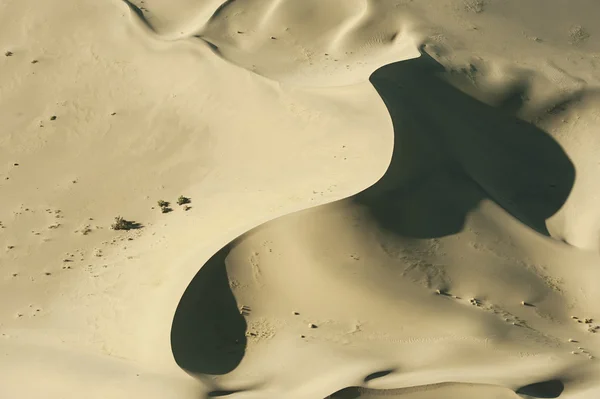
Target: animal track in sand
pixel 260 329
pixel 486 306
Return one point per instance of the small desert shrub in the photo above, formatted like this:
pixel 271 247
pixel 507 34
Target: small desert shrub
pixel 122 224
pixel 183 200
pixel 163 204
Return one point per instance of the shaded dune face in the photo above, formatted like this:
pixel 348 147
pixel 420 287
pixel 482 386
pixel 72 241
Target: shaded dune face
pixel 450 153
pixel 208 332
pixel 544 389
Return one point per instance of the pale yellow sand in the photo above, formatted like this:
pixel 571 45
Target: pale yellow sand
pixel 388 199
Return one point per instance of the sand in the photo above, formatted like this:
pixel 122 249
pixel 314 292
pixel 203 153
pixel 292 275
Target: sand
pixel 386 199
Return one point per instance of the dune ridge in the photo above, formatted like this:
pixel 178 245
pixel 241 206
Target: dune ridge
pixel 388 199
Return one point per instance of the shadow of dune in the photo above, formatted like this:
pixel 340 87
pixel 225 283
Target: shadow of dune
pixel 451 151
pixel 208 331
pixel 439 390
pixel 545 389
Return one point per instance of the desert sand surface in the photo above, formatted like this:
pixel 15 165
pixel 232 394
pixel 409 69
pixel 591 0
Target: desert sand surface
pixel 366 199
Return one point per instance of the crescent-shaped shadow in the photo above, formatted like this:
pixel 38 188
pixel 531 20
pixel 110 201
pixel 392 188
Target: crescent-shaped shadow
pixel 450 152
pixel 208 332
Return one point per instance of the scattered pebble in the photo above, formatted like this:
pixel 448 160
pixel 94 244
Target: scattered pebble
pixel 572 340
pixel 311 325
pixel 296 313
pixel 34 61
pixel 53 118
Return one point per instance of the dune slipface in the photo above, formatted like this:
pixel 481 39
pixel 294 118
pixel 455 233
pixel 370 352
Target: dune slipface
pixel 314 199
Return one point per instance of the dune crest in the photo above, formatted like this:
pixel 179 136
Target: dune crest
pixel 299 199
pixel 347 41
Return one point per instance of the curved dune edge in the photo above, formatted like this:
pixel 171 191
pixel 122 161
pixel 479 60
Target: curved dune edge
pixel 468 269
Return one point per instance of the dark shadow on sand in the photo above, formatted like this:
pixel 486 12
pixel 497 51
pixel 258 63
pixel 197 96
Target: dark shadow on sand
pixel 546 389
pixel 451 151
pixel 208 332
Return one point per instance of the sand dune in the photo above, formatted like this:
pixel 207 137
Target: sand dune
pixel 387 199
pixel 345 42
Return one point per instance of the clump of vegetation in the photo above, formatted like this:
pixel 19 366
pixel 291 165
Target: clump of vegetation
pixel 8 53
pixel 164 206
pixel 183 200
pixel 122 224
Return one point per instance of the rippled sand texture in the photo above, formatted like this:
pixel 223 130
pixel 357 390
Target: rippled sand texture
pixel 390 199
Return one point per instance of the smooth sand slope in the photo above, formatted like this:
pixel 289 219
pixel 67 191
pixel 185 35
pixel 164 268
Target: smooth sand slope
pixel 388 199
